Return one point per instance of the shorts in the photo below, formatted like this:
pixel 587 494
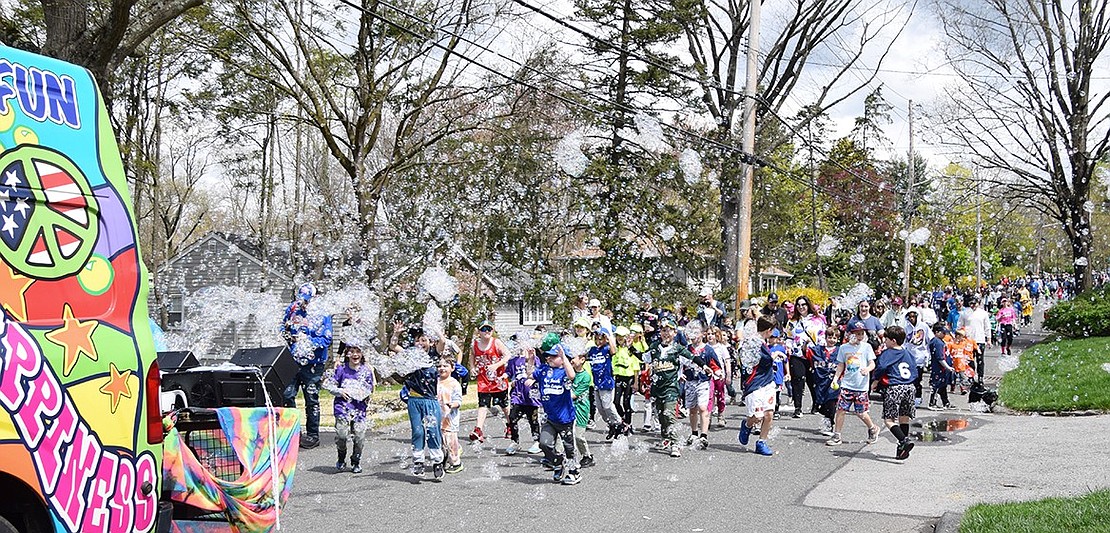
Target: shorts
pixel 853 401
pixel 490 399
pixel 761 400
pixel 899 402
pixel 451 421
pixel 697 393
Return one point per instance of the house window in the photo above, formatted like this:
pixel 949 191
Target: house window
pixel 175 306
pixel 534 315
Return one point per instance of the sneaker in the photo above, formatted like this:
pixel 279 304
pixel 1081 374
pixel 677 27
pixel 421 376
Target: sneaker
pixel 647 428
pixel 418 469
pixel 512 448
pixel 534 448
pixel 508 433
pixel 745 433
pixel 572 478
pixel 833 441
pixel 454 469
pixel 547 465
pixel 762 448
pixel 917 402
pixel 933 407
pixel 340 466
pixel 826 427
pixel 477 435
pixel 591 425
pixel 664 445
pixel 356 469
pixel 949 407
pixel 309 443
pixel 587 461
pixel 675 451
pixel 797 414
pixel 626 430
pixel 906 450
pixel 703 443
pixel 611 433
pixel 873 434
pixel 437 471
pixel 559 473
pixel 690 440
pixel 776 417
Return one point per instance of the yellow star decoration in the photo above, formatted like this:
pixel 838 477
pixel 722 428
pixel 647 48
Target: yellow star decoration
pixel 117 386
pixel 12 288
pixel 76 337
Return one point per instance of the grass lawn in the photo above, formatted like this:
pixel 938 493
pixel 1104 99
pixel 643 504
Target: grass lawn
pixel 1065 515
pixel 1062 375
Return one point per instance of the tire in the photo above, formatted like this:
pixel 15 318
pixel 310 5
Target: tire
pixel 7 527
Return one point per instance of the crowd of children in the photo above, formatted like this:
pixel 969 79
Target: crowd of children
pixel 683 369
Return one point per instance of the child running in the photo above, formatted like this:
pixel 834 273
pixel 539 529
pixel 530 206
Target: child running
pixel 941 373
pixel 580 392
pixel 663 360
pixel 759 387
pixel 524 400
pixel 351 383
pixel 555 377
pixel 450 399
pixel 823 359
pixel 898 369
pixel 854 362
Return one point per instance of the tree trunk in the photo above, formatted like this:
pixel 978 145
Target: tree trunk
pixel 1079 234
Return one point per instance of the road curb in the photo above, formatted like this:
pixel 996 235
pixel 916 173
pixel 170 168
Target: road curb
pixel 949 523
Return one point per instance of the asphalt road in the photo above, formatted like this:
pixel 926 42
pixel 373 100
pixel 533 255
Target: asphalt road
pixel 804 486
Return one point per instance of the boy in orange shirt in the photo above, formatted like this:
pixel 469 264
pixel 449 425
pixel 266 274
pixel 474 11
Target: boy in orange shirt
pixel 962 349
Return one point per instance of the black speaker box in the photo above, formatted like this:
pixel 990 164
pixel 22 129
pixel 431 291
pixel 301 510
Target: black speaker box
pixel 170 361
pixel 219 388
pixel 276 364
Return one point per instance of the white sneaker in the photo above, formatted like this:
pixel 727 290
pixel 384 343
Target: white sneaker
pixel 512 448
pixel 535 448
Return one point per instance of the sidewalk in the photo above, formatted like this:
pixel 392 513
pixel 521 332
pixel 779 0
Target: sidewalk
pixel 1000 458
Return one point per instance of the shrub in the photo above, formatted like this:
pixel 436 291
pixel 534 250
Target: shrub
pixel 1088 315
pixel 813 294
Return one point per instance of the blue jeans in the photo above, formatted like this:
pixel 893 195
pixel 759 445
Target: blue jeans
pixel 307 378
pixel 426 433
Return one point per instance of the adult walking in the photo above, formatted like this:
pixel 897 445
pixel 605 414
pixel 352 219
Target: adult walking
pixel 977 323
pixel 806 329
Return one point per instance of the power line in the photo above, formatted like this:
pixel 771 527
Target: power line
pixel 748 158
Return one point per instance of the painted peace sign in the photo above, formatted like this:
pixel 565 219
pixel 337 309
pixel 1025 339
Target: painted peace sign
pixel 47 213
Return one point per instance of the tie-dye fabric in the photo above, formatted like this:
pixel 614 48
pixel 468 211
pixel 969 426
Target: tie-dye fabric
pixel 248 502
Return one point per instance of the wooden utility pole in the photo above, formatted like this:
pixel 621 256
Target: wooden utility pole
pixel 906 259
pixel 743 264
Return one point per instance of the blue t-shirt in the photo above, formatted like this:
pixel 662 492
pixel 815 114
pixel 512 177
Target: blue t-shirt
pixel 898 365
pixel 855 358
pixel 423 383
pixel 763 373
pixel 824 370
pixel 870 323
pixel 601 366
pixel 692 368
pixel 555 393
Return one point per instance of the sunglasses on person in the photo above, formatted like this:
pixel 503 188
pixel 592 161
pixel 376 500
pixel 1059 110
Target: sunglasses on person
pixel 485 329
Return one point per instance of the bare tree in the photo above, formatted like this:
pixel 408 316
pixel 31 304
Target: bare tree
pixel 825 44
pixel 1026 104
pixel 379 84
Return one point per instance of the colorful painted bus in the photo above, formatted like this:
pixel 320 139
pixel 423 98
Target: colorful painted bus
pixel 81 428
